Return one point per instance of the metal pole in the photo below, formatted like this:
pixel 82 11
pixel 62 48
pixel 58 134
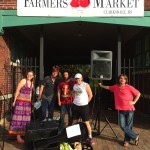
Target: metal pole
pixel 119 56
pixel 41 53
pixel 129 71
pixel 119 51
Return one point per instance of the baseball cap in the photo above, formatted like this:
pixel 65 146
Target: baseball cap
pixel 55 69
pixel 78 75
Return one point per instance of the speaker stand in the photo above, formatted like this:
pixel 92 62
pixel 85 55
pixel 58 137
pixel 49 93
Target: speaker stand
pixel 97 122
pixel 99 131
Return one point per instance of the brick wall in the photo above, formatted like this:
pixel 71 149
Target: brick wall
pixel 5 76
pixel 12 4
pixel 11 75
pixel 147 4
pixel 8 4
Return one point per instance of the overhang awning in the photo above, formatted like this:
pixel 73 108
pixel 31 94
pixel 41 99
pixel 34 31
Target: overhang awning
pixel 9 18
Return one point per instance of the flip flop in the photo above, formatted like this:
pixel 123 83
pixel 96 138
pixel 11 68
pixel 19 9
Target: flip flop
pixel 126 144
pixel 137 140
pixel 19 141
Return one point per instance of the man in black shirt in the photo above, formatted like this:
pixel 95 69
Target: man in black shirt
pixel 48 94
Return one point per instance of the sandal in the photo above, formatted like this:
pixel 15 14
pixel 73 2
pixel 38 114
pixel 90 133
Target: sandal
pixel 20 141
pixel 126 144
pixel 137 140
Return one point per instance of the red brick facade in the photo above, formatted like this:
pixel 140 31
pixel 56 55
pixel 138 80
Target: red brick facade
pixel 5 75
pixel 12 4
pixel 147 4
pixel 5 68
pixel 8 4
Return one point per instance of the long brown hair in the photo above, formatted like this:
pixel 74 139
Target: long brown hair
pixel 33 79
pixel 123 75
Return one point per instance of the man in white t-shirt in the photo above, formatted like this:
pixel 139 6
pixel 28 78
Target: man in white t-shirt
pixel 82 96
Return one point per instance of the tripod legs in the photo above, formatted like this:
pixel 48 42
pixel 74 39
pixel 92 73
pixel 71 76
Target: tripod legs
pixel 98 121
pixel 108 123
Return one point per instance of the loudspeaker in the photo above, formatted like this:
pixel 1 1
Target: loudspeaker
pixel 40 130
pixel 101 65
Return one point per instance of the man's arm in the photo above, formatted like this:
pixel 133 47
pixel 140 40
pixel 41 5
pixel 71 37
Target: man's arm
pixel 58 94
pixel 89 92
pixel 136 98
pixel 104 86
pixel 40 93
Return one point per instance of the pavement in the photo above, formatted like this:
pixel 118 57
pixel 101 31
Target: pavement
pixel 105 129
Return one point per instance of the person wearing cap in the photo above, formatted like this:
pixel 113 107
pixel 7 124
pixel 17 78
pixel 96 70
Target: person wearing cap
pixel 65 99
pixel 48 94
pixel 80 109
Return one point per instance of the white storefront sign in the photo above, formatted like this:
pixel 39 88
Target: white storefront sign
pixel 81 8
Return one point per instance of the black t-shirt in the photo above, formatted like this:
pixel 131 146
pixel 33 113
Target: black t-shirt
pixel 50 87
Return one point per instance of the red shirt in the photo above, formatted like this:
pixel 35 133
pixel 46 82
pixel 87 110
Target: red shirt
pixel 123 96
pixel 65 95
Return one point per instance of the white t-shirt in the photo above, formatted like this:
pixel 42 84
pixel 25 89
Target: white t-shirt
pixel 38 90
pixel 81 96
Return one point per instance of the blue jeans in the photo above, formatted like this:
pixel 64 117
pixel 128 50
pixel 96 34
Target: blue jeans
pixel 126 124
pixel 65 108
pixel 46 105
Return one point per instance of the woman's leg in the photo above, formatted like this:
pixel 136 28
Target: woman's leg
pixel 19 139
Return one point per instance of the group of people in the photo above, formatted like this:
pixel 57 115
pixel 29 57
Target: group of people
pixel 73 97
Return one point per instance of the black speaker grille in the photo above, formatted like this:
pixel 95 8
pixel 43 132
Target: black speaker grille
pixel 101 69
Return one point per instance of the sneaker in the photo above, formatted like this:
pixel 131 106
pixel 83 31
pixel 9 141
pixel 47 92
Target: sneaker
pixel 44 120
pixel 49 119
pixel 56 118
pixel 91 141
